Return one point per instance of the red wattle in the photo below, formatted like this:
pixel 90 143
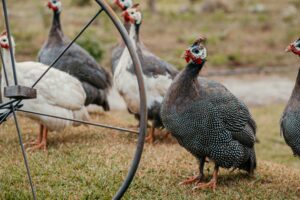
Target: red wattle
pixel 294 50
pixel 5 46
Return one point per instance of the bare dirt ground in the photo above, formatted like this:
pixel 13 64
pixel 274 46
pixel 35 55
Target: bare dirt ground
pixel 259 90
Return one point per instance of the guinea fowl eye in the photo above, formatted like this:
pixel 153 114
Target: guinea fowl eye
pixel 54 1
pixel 196 51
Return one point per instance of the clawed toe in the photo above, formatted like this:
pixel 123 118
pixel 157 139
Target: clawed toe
pixel 191 180
pixel 210 185
pixel 40 146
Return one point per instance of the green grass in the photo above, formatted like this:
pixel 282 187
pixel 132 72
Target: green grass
pixel 90 163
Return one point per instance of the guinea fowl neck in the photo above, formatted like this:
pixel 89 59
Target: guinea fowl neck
pixel 297 84
pixel 185 88
pixel 127 26
pixel 133 34
pixel 137 32
pixel 56 30
pixel 8 65
pixel 192 69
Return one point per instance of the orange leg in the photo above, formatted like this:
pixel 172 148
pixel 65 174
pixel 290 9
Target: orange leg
pixel 43 143
pixel 196 179
pixel 38 140
pixel 151 137
pixel 212 184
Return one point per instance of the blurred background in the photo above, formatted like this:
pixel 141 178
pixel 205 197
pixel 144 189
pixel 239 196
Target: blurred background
pixel 246 52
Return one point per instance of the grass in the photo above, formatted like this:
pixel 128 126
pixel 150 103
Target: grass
pixel 90 163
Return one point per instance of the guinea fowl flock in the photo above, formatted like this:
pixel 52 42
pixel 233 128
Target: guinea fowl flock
pixel 204 116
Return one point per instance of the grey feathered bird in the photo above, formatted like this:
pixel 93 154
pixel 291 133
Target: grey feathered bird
pixel 290 120
pixel 208 120
pixel 76 61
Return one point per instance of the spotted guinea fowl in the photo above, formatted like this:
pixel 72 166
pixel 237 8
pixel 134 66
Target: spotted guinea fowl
pixel 58 94
pixel 76 61
pixel 157 79
pixel 118 50
pixel 208 120
pixel 290 120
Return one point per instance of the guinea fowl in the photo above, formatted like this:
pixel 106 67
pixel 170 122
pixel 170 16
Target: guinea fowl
pixel 208 120
pixel 118 50
pixel 76 61
pixel 59 94
pixel 290 120
pixel 157 79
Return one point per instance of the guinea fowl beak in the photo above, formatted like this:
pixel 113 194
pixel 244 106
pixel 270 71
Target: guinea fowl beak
pixel 289 48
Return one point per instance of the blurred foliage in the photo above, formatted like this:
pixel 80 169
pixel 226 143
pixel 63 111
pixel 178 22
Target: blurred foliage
pixel 90 43
pixel 81 2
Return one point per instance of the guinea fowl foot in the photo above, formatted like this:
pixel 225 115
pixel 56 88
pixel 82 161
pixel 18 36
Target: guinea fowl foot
pixel 40 146
pixel 31 143
pixel 191 180
pixel 151 137
pixel 210 185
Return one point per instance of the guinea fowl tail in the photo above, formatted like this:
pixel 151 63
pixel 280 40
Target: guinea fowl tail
pixel 102 100
pixel 250 164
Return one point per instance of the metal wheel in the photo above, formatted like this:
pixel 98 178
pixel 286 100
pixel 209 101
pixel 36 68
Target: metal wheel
pixel 18 93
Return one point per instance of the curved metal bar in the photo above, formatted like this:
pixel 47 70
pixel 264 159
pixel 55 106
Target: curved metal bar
pixel 80 121
pixel 143 100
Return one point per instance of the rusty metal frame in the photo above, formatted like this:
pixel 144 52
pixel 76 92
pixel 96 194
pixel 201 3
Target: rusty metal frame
pixel 15 103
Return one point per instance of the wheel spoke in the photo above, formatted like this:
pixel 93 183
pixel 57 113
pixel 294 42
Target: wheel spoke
pixel 23 152
pixel 80 121
pixel 9 41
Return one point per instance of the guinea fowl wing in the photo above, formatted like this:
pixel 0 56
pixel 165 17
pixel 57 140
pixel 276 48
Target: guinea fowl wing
pixel 55 87
pixel 234 113
pixel 290 128
pixel 85 68
pixel 153 65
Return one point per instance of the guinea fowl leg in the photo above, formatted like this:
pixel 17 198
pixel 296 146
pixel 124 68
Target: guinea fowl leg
pixel 196 179
pixel 43 143
pixel 38 140
pixel 150 138
pixel 212 184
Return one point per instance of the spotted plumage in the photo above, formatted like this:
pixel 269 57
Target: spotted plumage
pixel 290 120
pixel 208 120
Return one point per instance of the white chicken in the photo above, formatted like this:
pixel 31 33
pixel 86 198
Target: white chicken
pixel 58 94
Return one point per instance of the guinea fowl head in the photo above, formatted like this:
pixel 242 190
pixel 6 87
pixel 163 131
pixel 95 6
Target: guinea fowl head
pixel 124 4
pixel 133 15
pixel 55 5
pixel 196 53
pixel 4 43
pixel 294 47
